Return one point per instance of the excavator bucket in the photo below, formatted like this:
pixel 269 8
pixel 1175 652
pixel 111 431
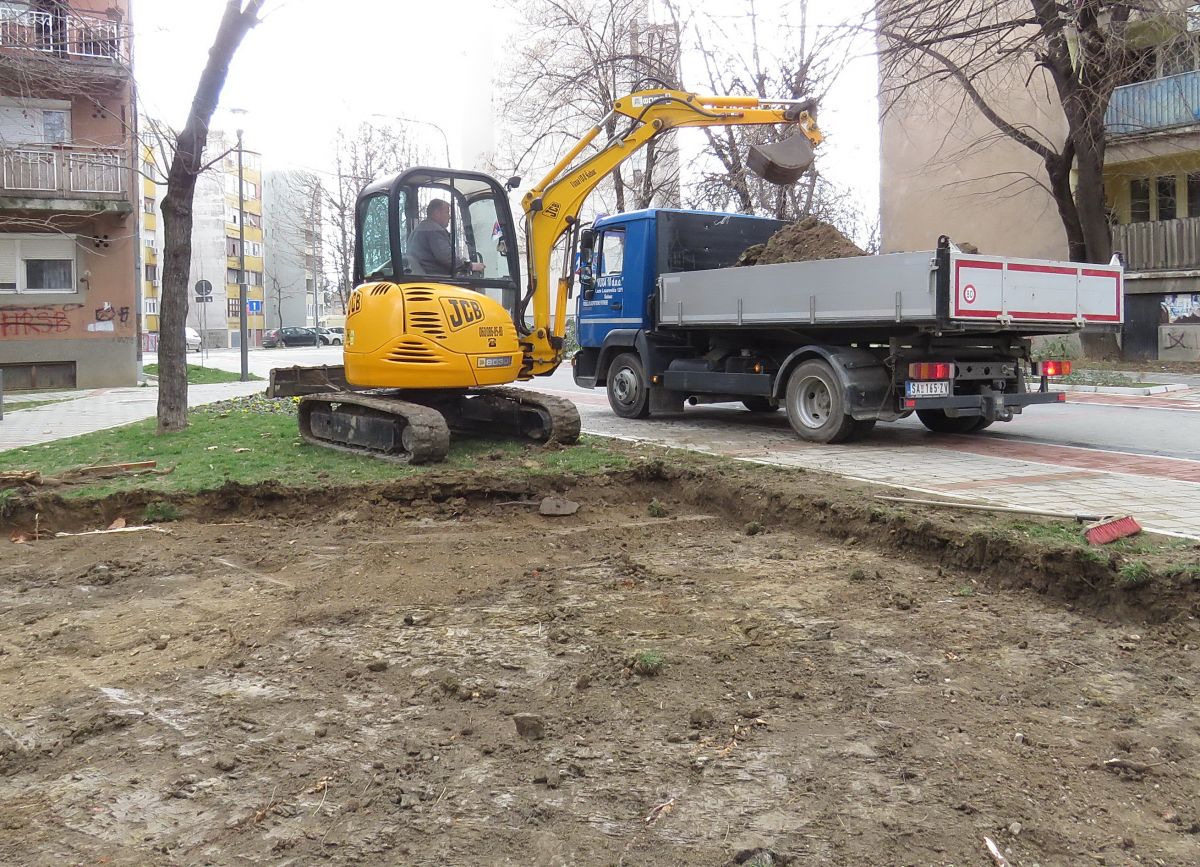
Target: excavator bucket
pixel 782 162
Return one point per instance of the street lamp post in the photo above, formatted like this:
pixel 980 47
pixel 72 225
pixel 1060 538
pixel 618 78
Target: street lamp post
pixel 445 140
pixel 242 288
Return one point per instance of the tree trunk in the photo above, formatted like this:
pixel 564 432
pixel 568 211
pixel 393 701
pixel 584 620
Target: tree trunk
pixel 177 214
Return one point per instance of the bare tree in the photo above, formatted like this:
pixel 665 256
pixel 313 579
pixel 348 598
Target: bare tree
pixel 1069 57
pixel 186 165
pixel 740 62
pixel 575 59
pixel 360 156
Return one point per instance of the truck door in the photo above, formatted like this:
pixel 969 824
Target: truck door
pixel 607 308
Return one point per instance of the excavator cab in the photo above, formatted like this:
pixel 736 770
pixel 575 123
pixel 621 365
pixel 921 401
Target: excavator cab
pixel 399 238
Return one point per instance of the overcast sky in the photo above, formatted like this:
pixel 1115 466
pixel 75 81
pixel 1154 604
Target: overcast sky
pixel 311 67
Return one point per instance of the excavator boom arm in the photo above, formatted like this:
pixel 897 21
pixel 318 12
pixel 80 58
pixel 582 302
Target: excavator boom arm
pixel 552 207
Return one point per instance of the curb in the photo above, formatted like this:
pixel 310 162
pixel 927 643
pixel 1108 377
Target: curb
pixel 1116 389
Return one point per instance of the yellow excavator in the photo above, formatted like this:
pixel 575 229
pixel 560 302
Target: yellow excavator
pixel 436 327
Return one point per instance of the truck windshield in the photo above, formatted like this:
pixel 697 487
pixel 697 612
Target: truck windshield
pixel 698 242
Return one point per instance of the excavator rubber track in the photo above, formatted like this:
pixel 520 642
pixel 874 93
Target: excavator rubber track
pixel 521 412
pixel 377 425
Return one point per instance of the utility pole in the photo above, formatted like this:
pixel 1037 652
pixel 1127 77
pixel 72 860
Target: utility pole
pixel 242 288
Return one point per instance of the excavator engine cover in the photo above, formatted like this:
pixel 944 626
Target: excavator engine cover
pixel 782 162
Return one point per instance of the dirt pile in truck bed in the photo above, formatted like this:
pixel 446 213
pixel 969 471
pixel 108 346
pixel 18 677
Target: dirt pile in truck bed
pixel 804 241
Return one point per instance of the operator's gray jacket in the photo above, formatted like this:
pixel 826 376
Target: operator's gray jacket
pixel 429 250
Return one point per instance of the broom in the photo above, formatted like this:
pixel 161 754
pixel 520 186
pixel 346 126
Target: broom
pixel 1100 530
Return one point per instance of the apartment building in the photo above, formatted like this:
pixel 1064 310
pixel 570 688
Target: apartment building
pixel 214 277
pixel 1152 180
pixel 148 236
pixel 945 170
pixel 292 229
pixel 68 228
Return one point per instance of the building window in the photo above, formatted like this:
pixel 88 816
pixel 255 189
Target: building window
pixel 1193 194
pixel 255 248
pixel 149 237
pixel 254 278
pixel 235 308
pixel 37 263
pixel 148 204
pixel 150 306
pixel 231 247
pixel 1139 200
pixel 54 126
pixel 231 216
pixel 232 276
pixel 1164 190
pixel 1164 198
pixel 151 272
pixel 49 275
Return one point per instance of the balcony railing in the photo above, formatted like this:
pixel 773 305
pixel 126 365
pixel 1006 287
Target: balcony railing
pixel 69 34
pixel 1163 103
pixel 63 169
pixel 1164 245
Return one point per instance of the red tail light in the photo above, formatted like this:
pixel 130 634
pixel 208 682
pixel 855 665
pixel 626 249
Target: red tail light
pixel 931 370
pixel 1053 368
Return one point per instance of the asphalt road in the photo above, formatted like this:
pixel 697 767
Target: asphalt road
pixel 1133 429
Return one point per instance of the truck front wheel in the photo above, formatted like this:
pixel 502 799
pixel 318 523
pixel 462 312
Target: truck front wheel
pixel 938 422
pixel 816 405
pixel 628 391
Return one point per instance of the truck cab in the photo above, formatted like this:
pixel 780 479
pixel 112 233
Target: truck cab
pixel 630 252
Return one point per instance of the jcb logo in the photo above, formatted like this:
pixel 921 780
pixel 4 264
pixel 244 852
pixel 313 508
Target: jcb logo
pixel 461 312
pixel 355 302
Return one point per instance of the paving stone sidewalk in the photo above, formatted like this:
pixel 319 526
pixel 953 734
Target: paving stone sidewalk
pixel 98 409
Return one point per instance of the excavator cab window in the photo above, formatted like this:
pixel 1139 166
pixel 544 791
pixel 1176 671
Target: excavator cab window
pixel 375 239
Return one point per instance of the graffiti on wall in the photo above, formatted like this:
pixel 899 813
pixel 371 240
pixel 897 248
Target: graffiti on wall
pixel 1181 308
pixel 64 321
pixel 37 321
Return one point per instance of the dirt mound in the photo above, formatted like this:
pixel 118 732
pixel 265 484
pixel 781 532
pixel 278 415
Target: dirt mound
pixel 804 241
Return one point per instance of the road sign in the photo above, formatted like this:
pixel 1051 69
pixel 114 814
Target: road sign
pixel 203 291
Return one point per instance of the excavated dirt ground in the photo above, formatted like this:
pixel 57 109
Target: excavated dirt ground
pixel 288 678
pixel 802 241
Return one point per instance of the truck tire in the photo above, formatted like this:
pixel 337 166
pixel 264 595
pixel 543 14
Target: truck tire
pixel 938 422
pixel 760 404
pixel 628 391
pixel 816 406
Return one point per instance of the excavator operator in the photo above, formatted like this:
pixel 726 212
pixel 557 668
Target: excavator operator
pixel 430 250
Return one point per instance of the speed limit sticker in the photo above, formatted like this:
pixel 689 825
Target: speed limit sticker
pixel 969 294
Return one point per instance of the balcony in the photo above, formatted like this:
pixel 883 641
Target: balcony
pixel 68 35
pixel 1150 106
pixel 1164 245
pixel 64 178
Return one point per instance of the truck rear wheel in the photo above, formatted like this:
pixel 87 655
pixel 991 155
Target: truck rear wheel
pixel 816 405
pixel 938 422
pixel 628 391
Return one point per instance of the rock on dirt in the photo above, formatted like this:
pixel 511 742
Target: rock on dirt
pixel 555 507
pixel 805 241
pixel 530 726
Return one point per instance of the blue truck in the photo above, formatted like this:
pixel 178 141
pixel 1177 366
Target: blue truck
pixel 667 318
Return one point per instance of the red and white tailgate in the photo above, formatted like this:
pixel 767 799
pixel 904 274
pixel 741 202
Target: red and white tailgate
pixel 1034 290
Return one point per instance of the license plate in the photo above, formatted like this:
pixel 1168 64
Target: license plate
pixel 496 361
pixel 927 389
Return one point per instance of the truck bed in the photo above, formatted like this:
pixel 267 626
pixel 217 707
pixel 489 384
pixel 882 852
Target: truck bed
pixel 942 289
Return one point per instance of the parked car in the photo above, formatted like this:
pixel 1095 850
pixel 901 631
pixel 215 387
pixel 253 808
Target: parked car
pixel 330 336
pixel 290 336
pixel 191 338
